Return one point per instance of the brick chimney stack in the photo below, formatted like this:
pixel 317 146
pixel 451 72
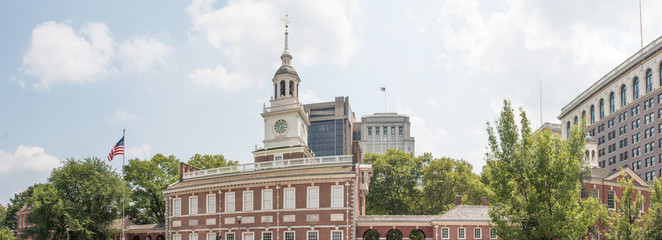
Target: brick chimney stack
pixel 485 202
pixel 458 200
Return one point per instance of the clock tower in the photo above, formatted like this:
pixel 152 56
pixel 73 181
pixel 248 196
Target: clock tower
pixel 285 122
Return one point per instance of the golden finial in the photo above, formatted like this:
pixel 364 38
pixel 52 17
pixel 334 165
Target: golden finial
pixel 285 20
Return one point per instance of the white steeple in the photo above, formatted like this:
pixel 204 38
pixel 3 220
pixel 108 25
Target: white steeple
pixel 286 57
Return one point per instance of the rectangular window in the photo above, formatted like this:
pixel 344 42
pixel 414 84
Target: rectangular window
pixel 400 130
pixel 369 131
pixel 229 202
pixel 193 236
pixel 248 201
pixel 313 235
pixel 313 197
pixel 267 199
pixel 288 235
pixel 211 203
pixel 211 236
pixel 610 200
pixel 445 233
pixel 595 193
pixel 461 234
pixel 377 131
pixel 229 236
pixel 288 198
pixel 336 235
pixel 337 196
pixel 267 236
pixel 393 131
pixel 384 129
pixel 177 207
pixel 248 236
pixel 478 233
pixel 493 234
pixel 178 237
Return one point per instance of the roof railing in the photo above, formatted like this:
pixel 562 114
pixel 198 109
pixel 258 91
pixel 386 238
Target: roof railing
pixel 311 161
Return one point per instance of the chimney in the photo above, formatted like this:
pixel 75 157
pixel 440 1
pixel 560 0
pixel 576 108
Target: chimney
pixel 485 202
pixel 458 200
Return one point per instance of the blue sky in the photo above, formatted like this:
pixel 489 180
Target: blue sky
pixel 191 77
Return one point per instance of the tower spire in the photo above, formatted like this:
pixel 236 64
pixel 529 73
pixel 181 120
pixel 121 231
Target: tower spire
pixel 286 57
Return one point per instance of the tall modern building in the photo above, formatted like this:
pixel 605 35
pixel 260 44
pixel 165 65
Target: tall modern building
pixel 623 111
pixel 382 131
pixel 330 130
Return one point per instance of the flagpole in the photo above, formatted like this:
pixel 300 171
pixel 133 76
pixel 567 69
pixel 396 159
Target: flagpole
pixel 123 190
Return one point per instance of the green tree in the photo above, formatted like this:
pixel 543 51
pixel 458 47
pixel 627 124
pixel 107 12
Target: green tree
pixel 15 205
pixel 208 161
pixel 443 179
pixel 7 234
pixel 652 222
pixel 84 196
pixel 393 186
pixel 623 224
pixel 148 179
pixel 536 180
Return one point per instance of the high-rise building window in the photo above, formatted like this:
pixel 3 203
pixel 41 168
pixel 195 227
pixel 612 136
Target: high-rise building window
pixel 649 80
pixel 660 74
pixel 377 131
pixel 369 131
pixel 392 130
pixel 624 98
pixel 575 122
pixel 635 88
pixel 612 102
pixel 567 129
pixel 592 114
pixel 384 130
pixel 400 130
pixel 602 108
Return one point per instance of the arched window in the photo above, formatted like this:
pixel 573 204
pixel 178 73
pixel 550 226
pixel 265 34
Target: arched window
pixel 282 88
pixel 624 98
pixel 602 108
pixel 649 80
pixel 371 235
pixel 394 234
pixel 584 116
pixel 416 234
pixel 635 88
pixel 567 129
pixel 291 93
pixel 660 74
pixel 592 114
pixel 612 102
pixel 575 122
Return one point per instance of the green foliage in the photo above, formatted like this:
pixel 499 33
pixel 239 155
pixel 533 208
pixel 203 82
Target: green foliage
pixel 7 234
pixel 535 181
pixel 443 179
pixel 623 224
pixel 393 188
pixel 15 205
pixel 147 180
pixel 416 235
pixel 210 161
pixel 394 235
pixel 652 222
pixel 84 196
pixel 371 235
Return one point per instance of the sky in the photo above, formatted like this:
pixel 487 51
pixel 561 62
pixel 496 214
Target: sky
pixel 187 77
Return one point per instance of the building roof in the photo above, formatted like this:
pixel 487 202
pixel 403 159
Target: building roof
pixel 396 218
pixel 286 69
pixel 466 213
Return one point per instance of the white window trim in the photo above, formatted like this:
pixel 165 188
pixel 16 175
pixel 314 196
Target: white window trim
pixel 211 236
pixel 192 235
pixel 243 235
pixel 448 230
pixel 228 196
pixel 315 231
pixel 341 200
pixel 480 233
pixel 270 193
pixel 247 206
pixel 458 233
pixel 313 198
pixel 293 200
pixel 175 208
pixel 177 236
pixel 192 199
pixel 262 235
pixel 209 206
pixel 234 236
pixel 495 235
pixel 614 208
pixel 342 234
pixel 294 234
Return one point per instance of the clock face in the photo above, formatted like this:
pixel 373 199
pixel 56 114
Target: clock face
pixel 281 126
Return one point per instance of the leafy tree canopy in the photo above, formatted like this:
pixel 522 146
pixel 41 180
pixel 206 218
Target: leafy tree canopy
pixel 148 178
pixel 208 161
pixel 535 181
pixel 443 179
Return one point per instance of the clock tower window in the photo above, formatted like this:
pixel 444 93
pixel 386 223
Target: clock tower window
pixel 282 88
pixel 291 88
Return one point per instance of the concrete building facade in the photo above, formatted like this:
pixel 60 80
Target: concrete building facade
pixel 382 131
pixel 623 111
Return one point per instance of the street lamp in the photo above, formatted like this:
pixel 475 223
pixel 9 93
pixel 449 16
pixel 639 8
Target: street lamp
pixel 239 232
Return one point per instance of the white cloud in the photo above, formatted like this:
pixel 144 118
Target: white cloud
pixel 142 152
pixel 308 96
pixel 121 116
pixel 141 53
pixel 321 33
pixel 27 158
pixel 58 54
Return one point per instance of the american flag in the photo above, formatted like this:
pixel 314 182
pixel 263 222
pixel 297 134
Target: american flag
pixel 383 89
pixel 118 149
